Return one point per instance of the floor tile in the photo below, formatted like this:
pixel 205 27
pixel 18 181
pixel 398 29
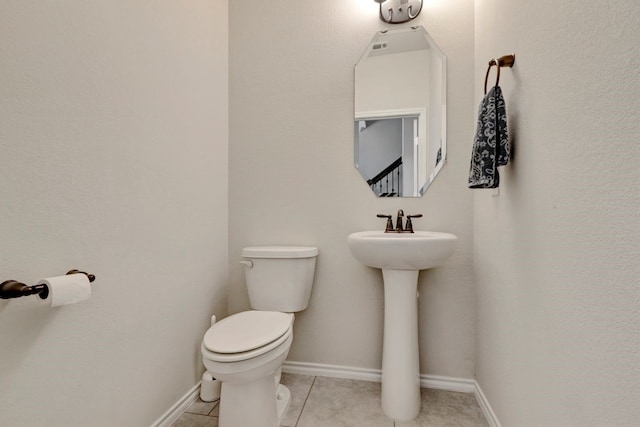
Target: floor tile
pixel 343 403
pixel 447 409
pixel 195 420
pixel 202 408
pixel 299 386
pixel 331 402
pixel 216 410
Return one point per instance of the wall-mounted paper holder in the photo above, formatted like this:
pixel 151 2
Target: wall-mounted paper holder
pixel 14 289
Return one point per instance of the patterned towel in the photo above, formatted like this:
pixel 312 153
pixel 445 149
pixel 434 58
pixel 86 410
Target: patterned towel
pixel 491 143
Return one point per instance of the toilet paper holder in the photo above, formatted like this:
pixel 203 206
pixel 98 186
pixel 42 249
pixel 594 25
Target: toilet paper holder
pixel 14 289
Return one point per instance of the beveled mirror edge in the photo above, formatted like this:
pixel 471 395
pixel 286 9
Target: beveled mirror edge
pixel 440 165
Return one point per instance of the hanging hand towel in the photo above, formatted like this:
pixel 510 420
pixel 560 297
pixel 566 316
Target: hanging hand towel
pixel 491 143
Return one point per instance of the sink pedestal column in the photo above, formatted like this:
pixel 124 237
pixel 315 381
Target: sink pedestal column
pixel 400 354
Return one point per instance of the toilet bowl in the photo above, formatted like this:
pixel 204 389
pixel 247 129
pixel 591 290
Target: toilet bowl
pixel 245 351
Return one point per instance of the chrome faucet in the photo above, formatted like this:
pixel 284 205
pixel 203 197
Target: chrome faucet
pixel 408 228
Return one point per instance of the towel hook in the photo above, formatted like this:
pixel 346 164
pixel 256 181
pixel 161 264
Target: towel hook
pixel 503 61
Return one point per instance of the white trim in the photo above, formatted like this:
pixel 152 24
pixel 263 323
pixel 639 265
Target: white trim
pixel 389 114
pixel 491 417
pixel 178 408
pixel 332 371
pixel 463 385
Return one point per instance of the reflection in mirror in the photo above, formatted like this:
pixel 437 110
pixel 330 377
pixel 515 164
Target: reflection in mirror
pixel 400 112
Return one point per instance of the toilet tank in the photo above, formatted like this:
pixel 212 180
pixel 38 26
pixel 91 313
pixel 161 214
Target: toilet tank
pixel 279 278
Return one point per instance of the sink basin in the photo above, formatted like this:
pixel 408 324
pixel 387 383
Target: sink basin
pixel 401 251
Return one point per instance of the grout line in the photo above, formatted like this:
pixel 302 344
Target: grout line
pixel 305 402
pixel 213 409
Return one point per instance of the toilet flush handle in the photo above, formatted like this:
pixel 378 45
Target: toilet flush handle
pixel 247 264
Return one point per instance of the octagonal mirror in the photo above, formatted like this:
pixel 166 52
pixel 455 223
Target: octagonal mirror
pixel 400 112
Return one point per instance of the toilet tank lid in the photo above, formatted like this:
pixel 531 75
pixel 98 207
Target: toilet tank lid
pixel 279 252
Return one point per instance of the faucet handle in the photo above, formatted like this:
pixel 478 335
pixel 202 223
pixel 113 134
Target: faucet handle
pixel 389 227
pixel 409 227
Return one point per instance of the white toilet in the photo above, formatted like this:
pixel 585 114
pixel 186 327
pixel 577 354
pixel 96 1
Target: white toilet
pixel 245 351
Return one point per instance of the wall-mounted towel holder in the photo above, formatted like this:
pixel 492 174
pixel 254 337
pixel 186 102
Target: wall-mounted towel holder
pixel 503 61
pixel 14 289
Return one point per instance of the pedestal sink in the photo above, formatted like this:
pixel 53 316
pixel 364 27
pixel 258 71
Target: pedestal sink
pixel 401 256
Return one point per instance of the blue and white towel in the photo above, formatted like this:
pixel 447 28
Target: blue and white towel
pixel 491 143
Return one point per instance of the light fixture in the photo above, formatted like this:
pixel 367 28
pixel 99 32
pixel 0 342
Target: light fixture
pixel 399 11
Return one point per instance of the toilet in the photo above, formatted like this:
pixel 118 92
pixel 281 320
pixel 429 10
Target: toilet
pixel 245 351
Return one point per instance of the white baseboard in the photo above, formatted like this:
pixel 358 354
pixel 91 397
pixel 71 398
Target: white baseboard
pixel 178 408
pixel 463 385
pixel 491 417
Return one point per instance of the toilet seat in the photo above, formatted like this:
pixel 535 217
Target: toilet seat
pixel 246 335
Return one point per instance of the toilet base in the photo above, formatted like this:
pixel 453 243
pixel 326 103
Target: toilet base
pixel 283 399
pixel 268 404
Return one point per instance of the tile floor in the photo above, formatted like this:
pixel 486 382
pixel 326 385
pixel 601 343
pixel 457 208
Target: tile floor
pixel 332 402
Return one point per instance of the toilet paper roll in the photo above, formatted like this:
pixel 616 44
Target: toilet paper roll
pixel 68 289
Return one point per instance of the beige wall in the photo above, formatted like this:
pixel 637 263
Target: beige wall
pixel 293 180
pixel 113 134
pixel 556 254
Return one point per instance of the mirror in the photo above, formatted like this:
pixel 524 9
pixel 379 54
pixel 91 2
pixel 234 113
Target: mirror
pixel 400 112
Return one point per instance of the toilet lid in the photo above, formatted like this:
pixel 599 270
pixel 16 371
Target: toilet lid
pixel 247 331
